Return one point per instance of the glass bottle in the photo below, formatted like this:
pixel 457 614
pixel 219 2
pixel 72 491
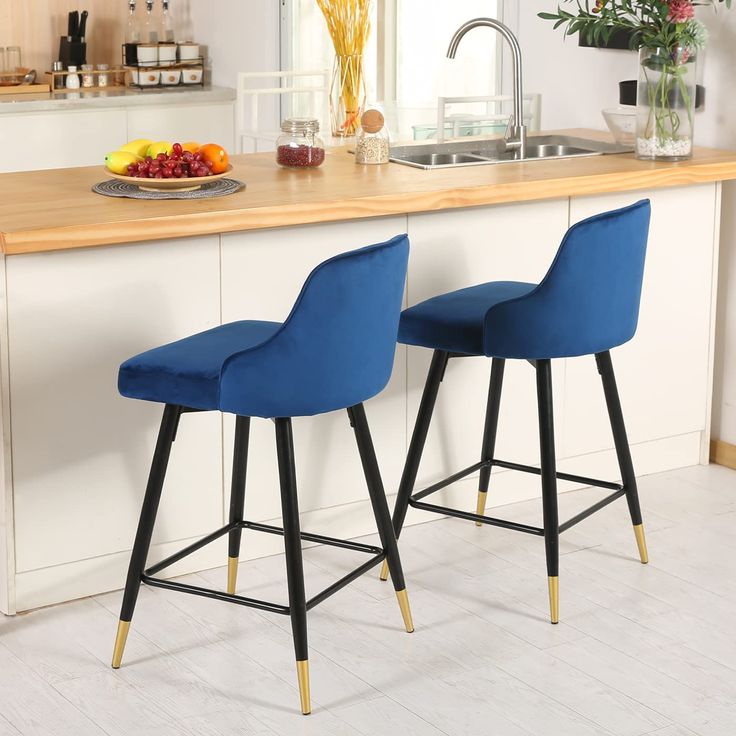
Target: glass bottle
pixel 166 25
pixel 372 142
pixel 133 29
pixel 150 27
pixel 299 146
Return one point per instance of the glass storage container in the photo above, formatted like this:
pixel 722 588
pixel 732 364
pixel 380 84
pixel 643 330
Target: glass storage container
pixel 666 104
pixel 372 141
pixel 299 145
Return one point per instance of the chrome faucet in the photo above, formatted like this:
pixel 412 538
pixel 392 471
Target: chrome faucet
pixel 515 137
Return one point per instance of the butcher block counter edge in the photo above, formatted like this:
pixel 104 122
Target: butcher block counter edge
pixel 56 209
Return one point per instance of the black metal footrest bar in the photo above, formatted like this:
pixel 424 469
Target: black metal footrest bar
pixel 503 523
pixel 320 539
pixel 342 582
pixel 216 594
pixel 591 510
pixel 610 485
pixel 415 502
pixel 378 555
pixel 452 479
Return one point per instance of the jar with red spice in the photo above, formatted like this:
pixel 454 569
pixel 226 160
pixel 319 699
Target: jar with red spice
pixel 300 146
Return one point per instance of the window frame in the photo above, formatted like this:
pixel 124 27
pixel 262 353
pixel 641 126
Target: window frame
pixel 387 41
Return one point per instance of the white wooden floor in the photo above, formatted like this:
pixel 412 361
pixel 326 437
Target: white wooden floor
pixel 640 650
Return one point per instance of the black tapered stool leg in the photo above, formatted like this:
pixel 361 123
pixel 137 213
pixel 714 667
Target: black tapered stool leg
pixel 490 428
pixel 380 509
pixel 156 476
pixel 416 445
pixel 549 484
pixel 293 548
pixel 237 498
pixel 623 451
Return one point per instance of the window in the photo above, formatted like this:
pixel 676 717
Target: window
pixel 406 68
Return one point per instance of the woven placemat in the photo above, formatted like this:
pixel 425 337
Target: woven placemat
pixel 219 188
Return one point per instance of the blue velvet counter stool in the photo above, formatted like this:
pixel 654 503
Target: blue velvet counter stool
pixel 587 304
pixel 334 351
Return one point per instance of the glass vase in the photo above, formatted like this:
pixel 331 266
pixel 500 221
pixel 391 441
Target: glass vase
pixel 665 104
pixel 347 95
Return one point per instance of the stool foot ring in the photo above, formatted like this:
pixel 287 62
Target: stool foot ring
pixel 480 508
pixel 384 570
pixel 302 673
pixel 554 599
pixel 120 639
pixel 403 599
pixel 232 574
pixel 641 543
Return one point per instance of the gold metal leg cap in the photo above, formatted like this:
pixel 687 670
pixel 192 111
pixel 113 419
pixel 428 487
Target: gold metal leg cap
pixel 554 600
pixel 232 574
pixel 302 673
pixel 403 599
pixel 120 639
pixel 641 543
pixel 480 507
pixel 384 570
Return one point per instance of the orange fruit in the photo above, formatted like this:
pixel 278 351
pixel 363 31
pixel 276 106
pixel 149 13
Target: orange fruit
pixel 190 146
pixel 217 155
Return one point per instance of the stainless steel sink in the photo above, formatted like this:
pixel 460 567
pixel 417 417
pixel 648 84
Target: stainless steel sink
pixel 436 160
pixel 493 151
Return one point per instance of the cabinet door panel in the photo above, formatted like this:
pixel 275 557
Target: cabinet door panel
pixel 81 453
pixel 262 273
pixel 60 140
pixel 663 372
pixel 452 250
pixel 204 123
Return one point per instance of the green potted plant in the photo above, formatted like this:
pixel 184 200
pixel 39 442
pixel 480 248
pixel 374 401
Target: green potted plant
pixel 669 38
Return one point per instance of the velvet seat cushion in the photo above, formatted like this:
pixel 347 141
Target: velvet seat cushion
pixel 455 321
pixel 187 372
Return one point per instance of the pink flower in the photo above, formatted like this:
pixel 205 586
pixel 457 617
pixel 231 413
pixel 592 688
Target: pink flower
pixel 681 11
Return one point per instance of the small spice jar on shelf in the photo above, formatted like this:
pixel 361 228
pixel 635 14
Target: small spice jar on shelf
pixel 372 142
pixel 300 146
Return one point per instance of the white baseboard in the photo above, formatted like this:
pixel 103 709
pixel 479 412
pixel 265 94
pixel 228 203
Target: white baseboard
pixel 82 578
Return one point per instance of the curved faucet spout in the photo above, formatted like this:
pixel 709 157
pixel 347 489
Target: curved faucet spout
pixel 516 134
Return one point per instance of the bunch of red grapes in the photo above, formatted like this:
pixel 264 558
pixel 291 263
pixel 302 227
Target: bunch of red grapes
pixel 180 164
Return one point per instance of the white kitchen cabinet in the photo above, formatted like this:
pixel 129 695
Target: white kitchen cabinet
pixel 262 273
pixel 214 123
pixel 57 140
pixel 80 452
pixel 663 373
pixel 66 137
pixel 76 455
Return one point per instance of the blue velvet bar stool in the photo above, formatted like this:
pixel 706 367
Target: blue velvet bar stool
pixel 334 351
pixel 587 304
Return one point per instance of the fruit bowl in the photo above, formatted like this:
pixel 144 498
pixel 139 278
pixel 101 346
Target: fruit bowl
pixel 168 185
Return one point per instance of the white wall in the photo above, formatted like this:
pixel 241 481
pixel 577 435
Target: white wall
pixel 241 35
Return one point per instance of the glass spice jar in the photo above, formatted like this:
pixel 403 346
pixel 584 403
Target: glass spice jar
pixel 88 79
pixel 299 146
pixel 103 79
pixel 372 142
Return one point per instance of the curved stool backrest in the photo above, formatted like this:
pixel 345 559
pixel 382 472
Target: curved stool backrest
pixel 589 300
pixel 336 348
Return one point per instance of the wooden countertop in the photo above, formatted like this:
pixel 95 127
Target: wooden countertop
pixel 56 209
